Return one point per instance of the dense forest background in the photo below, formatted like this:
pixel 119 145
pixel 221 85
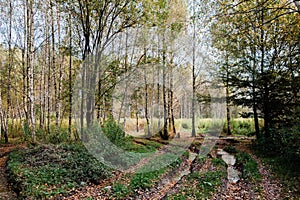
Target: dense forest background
pixel 250 47
pixel 157 70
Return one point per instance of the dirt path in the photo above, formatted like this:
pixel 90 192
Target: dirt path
pixel 271 187
pixel 169 180
pixel 171 183
pixel 5 189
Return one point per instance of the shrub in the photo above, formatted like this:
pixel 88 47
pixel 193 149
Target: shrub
pixel 185 126
pixel 113 132
pixel 230 149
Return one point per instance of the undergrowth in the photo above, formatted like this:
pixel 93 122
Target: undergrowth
pixel 202 185
pixel 147 176
pixel 45 171
pixel 248 167
pixel 281 151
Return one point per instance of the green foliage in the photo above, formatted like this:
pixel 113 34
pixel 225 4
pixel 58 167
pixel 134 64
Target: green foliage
pixel 271 84
pixel 201 185
pixel 113 132
pixel 242 127
pixel 147 146
pixel 61 136
pixel 27 132
pixel 284 141
pixel 46 171
pixel 145 180
pixel 120 190
pixel 230 149
pixel 209 181
pixel 218 162
pixel 145 177
pixel 209 124
pixel 150 173
pixel 281 152
pixel 248 167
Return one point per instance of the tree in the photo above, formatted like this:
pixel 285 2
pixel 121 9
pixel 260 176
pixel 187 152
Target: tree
pixel 30 67
pixel 256 50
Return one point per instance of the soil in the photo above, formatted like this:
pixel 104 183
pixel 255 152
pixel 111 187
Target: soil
pixel 6 193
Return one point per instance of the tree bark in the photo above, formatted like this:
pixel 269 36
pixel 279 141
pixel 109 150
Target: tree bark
pixel 146 100
pixel 164 134
pixel 70 75
pixel 228 99
pixel 30 66
pixel 53 64
pixel 264 79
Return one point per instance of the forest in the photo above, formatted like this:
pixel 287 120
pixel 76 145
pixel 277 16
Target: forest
pixel 141 99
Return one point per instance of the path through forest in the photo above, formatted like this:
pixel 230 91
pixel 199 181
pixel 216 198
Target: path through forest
pixel 172 181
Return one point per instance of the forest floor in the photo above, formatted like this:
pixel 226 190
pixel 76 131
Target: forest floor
pixel 6 191
pixel 177 184
pixel 193 178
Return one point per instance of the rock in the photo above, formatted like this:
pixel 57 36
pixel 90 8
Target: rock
pixel 229 159
pixel 108 187
pixel 232 175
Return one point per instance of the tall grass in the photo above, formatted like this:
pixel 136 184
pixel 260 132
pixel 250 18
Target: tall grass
pixel 239 126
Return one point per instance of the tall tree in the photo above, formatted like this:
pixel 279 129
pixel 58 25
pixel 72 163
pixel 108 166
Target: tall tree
pixel 30 67
pixel 252 36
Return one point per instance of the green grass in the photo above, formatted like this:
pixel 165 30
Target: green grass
pixel 243 126
pixel 145 180
pixel 145 177
pixel 239 126
pixel 218 162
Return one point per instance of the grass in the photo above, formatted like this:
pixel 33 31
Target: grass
pixel 119 190
pixel 46 171
pixel 145 180
pixel 239 126
pixel 243 126
pixel 230 149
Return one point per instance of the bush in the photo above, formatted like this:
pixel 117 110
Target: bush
pixel 113 132
pixel 185 126
pixel 230 149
